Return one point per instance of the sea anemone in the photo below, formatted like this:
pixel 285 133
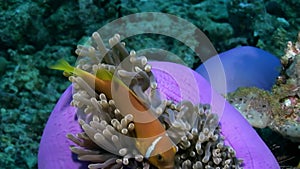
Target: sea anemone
pixel 245 66
pixel 105 138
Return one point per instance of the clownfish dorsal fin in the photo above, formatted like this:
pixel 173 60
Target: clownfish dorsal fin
pixel 104 74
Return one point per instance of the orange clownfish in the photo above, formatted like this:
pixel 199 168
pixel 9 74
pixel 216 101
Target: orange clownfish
pixel 152 140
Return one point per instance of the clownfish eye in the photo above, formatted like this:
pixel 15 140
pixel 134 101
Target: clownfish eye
pixel 159 157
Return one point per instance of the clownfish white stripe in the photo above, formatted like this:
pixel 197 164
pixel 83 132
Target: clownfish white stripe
pixel 152 147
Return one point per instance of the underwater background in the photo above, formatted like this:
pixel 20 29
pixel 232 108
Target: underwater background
pixel 36 33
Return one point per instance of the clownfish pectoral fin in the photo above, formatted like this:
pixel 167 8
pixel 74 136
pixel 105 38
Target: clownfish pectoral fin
pixel 175 149
pixel 63 65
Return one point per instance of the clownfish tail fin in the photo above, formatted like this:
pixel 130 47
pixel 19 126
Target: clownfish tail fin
pixel 63 65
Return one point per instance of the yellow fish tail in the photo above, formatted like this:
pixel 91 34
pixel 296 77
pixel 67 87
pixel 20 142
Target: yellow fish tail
pixel 63 65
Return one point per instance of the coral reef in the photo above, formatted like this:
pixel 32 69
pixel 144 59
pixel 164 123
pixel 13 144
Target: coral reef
pixel 278 109
pixel 287 90
pixel 44 30
pixel 107 138
pixel 3 64
pixel 21 114
pixel 261 20
pixel 254 104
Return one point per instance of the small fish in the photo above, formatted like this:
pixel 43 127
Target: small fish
pixel 152 140
pixel 101 85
